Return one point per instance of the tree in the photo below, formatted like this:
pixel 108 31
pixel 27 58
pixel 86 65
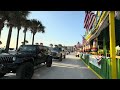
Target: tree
pixel 4 15
pixel 25 42
pixel 36 27
pixel 26 24
pixel 56 46
pixel 51 45
pixel 60 45
pixel 0 42
pixel 33 28
pixel 37 43
pixel 20 20
pixel 12 20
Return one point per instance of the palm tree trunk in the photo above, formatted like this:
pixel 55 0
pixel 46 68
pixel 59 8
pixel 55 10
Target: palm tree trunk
pixel 17 38
pixel 1 27
pixel 8 39
pixel 24 38
pixel 0 33
pixel 33 39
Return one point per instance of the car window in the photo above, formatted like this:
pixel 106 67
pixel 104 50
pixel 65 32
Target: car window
pixel 27 48
pixel 56 49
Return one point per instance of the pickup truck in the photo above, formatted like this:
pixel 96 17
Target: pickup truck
pixel 58 53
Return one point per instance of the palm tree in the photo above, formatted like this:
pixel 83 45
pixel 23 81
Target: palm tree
pixel 26 24
pixel 13 19
pixel 24 15
pixel 4 15
pixel 56 46
pixel 0 42
pixel 51 45
pixel 25 42
pixel 36 27
pixel 37 43
pixel 60 45
pixel 33 28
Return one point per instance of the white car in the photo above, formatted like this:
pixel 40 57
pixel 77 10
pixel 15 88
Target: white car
pixel 77 54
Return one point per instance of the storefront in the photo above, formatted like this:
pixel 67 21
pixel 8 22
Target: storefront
pixel 101 41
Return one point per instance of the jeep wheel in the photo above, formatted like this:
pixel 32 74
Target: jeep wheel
pixel 49 62
pixel 60 58
pixel 2 74
pixel 25 71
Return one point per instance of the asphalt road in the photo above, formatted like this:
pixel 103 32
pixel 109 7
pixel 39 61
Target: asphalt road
pixel 70 68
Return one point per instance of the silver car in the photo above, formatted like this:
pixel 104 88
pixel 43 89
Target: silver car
pixel 58 53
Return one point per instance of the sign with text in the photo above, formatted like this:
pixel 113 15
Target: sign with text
pixel 95 60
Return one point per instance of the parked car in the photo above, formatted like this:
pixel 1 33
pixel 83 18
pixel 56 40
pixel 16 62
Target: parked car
pixel 67 52
pixel 23 62
pixel 77 53
pixel 58 53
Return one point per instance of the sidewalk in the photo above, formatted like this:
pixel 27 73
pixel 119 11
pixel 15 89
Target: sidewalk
pixel 86 73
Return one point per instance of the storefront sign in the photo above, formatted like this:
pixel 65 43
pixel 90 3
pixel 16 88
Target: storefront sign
pixel 95 60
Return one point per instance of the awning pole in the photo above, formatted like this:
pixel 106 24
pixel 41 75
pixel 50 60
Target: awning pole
pixel 112 43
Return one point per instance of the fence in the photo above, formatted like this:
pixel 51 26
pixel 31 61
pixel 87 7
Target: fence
pixel 105 70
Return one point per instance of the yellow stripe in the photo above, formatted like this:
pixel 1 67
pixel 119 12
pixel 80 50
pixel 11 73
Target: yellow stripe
pixel 93 71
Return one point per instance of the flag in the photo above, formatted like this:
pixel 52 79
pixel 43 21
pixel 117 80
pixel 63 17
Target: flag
pixel 78 45
pixel 84 40
pixel 89 19
pixel 86 19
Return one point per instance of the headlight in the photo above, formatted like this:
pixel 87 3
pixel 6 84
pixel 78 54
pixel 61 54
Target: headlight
pixel 14 58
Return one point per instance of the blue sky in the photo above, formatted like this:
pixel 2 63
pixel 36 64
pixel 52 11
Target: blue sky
pixel 62 27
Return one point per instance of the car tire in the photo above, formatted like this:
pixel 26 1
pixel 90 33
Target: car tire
pixel 49 62
pixel 60 58
pixel 25 71
pixel 2 74
pixel 78 55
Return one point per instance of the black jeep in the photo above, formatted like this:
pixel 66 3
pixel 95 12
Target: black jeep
pixel 23 62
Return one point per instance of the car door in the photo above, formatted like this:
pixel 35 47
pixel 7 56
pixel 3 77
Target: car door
pixel 44 54
pixel 40 55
